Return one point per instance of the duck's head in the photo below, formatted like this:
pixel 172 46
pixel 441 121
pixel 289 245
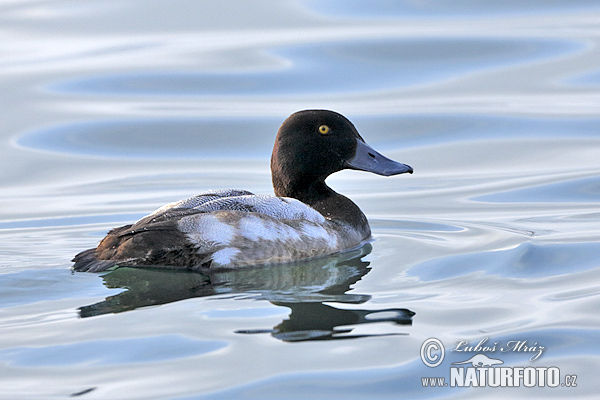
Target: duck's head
pixel 313 144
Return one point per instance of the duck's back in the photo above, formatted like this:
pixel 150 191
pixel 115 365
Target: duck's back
pixel 224 229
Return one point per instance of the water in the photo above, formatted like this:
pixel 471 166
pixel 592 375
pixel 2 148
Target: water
pixel 112 109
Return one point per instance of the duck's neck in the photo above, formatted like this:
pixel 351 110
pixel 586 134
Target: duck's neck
pixel 326 201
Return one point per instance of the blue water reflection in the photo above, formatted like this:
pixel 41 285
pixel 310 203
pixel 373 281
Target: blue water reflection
pixel 159 138
pixel 115 108
pixel 101 352
pixel 316 69
pixel 195 138
pixel 405 379
pixel 574 190
pixel 529 260
pixel 383 9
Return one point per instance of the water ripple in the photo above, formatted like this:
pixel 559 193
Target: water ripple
pixel 383 9
pixel 314 70
pixel 158 138
pixel 527 260
pixel 194 138
pixel 101 352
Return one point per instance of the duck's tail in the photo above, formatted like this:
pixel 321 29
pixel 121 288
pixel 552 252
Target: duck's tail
pixel 86 261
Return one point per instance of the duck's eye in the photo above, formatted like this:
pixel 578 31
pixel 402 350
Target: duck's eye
pixel 324 130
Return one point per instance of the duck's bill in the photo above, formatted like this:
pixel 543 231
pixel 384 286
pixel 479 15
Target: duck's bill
pixel 367 159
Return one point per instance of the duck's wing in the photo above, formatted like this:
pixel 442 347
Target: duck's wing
pixel 201 199
pixel 233 200
pixel 284 208
pixel 154 232
pixel 150 239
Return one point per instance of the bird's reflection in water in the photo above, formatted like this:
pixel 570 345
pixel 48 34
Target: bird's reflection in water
pixel 301 287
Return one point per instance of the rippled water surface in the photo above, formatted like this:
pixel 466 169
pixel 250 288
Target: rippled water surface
pixel 111 109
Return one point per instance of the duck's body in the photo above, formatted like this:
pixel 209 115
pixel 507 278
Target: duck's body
pixel 235 228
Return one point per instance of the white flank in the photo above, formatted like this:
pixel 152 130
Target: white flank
pixel 206 228
pixel 318 232
pixel 224 256
pixel 255 228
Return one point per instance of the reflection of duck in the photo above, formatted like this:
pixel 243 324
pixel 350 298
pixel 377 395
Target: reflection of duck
pixel 318 321
pixel 323 279
pixel 232 228
pixel 303 287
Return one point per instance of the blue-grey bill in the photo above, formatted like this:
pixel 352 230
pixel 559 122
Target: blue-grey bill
pixel 367 159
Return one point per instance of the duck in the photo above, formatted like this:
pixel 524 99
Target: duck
pixel 230 228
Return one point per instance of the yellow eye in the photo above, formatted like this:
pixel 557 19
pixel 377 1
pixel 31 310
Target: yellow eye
pixel 324 129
